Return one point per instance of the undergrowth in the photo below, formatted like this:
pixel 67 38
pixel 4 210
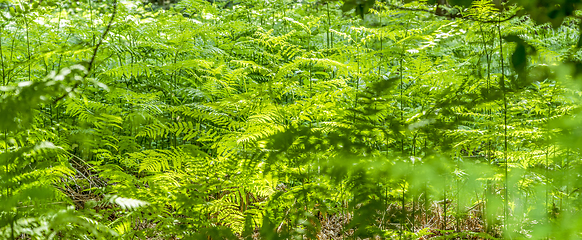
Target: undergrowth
pixel 289 120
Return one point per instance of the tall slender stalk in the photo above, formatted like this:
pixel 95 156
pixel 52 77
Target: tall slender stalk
pixel 403 218
pixel 445 205
pixel 458 197
pixel 401 97
pixel 328 33
pixel 487 110
pixel 358 60
pixel 401 66
pixel 548 149
pixel 27 45
pixel 11 55
pixel 489 116
pixel 413 170
pixel 401 62
pixel 505 157
pixel 2 58
pixel 546 163
pixel 12 225
pixel 566 166
pixel 425 194
pixel 92 25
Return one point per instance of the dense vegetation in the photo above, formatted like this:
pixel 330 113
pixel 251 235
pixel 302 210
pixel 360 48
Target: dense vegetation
pixel 313 119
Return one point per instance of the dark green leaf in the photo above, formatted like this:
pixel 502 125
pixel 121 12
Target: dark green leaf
pixel 519 58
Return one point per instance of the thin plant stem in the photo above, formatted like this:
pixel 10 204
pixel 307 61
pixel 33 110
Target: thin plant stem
pixel 505 157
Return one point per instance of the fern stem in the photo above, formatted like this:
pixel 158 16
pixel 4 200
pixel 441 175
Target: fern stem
pixel 567 177
pixel 2 58
pixel 505 157
pixel 425 194
pixel 27 46
pixel 91 19
pixel 402 87
pixel 489 116
pixel 11 54
pixel 414 170
pixel 403 219
pixel 310 79
pixel 444 225
pixel 58 30
pixel 548 148
pixel 12 226
pixel 358 60
pixel 487 110
pixel 458 198
pixel 328 33
pixel 401 99
pixel 381 48
pixel 547 182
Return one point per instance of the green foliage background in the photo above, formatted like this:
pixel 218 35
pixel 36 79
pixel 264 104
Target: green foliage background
pixel 266 119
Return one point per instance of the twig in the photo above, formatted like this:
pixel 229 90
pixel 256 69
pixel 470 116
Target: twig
pixel 100 183
pixel 466 18
pixel 90 65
